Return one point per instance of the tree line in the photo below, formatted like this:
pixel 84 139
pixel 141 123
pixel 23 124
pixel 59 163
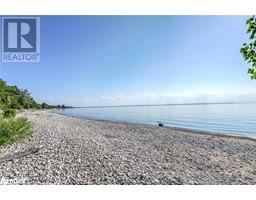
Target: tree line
pixel 12 97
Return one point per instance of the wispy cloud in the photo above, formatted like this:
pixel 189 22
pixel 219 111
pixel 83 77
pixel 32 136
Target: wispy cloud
pixel 248 95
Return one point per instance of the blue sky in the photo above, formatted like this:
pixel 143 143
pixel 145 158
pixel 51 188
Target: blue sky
pixel 113 60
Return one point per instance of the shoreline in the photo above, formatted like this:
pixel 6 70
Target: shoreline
pixel 192 131
pixel 69 150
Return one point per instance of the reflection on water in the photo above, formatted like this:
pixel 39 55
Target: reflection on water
pixel 223 118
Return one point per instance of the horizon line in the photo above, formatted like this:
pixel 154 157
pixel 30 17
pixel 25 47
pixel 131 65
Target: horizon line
pixel 168 104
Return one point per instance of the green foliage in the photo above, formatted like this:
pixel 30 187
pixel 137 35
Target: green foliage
pixel 9 113
pixel 249 49
pixel 13 129
pixel 11 97
pixel 45 106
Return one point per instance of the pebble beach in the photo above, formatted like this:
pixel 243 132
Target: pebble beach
pixel 66 150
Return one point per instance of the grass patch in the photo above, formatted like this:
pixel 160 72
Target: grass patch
pixel 9 113
pixel 13 129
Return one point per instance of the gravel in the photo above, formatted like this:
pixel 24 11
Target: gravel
pixel 80 151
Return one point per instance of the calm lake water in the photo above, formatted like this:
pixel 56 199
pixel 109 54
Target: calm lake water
pixel 235 119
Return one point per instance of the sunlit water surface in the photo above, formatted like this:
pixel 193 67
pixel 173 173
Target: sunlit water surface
pixel 234 119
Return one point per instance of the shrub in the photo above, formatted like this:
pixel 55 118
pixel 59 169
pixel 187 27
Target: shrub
pixel 13 129
pixel 9 113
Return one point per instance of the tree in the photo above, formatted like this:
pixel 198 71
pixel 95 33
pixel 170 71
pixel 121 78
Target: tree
pixel 12 97
pixel 249 49
pixel 44 106
pixel 15 98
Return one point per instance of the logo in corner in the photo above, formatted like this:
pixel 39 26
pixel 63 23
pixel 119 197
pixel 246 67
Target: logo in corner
pixel 20 39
